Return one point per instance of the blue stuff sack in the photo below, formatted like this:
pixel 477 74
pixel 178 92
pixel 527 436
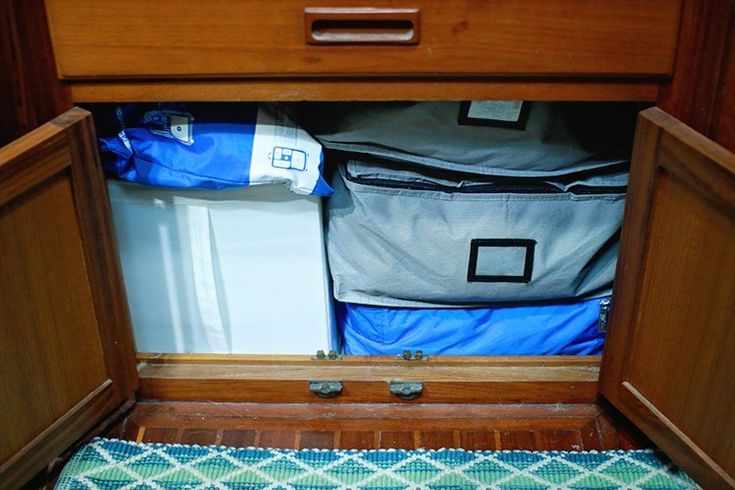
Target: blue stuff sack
pixel 210 146
pixel 556 329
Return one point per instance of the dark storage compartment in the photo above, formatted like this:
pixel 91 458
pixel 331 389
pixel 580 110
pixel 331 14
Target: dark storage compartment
pixel 463 228
pixel 476 227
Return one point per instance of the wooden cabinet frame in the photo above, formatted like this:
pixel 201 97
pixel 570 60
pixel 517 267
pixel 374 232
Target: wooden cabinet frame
pixel 705 51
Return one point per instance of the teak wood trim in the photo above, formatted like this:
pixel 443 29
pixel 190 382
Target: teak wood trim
pixel 56 438
pixel 350 360
pixel 636 219
pixel 31 92
pixel 65 148
pixel 537 427
pixel 634 38
pixel 283 381
pixel 378 89
pixel 102 258
pixel 695 460
pixel 30 160
pixel 68 141
pixel 159 413
pixel 694 93
pixel 663 145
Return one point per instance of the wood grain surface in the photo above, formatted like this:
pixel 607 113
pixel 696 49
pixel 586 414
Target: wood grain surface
pixel 63 368
pixel 369 426
pixel 668 362
pixel 32 94
pixel 695 92
pixel 503 382
pixel 222 38
pixel 382 89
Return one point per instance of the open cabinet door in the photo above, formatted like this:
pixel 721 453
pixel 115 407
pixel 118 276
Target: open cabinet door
pixel 669 361
pixel 65 339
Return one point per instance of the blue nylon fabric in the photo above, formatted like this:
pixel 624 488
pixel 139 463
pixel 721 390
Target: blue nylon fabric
pixel 558 329
pixel 216 154
pixel 322 188
pixel 218 158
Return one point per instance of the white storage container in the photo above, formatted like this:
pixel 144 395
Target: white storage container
pixel 240 271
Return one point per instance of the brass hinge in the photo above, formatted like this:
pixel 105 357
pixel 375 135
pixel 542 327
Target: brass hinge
pixel 329 356
pixel 326 388
pixel 406 390
pixel 418 356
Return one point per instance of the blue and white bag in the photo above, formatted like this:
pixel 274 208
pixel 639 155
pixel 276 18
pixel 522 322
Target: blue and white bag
pixel 212 146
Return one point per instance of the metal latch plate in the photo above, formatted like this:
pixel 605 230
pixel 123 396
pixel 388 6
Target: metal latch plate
pixel 326 388
pixel 406 390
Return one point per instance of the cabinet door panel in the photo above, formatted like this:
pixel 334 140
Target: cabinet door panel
pixel 67 357
pixel 668 362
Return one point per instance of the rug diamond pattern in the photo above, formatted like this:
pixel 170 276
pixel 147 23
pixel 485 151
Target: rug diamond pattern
pixel 107 464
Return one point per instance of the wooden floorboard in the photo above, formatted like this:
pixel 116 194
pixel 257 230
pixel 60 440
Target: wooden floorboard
pixel 564 427
pixel 575 427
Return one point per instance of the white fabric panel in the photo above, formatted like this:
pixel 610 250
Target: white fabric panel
pixel 240 271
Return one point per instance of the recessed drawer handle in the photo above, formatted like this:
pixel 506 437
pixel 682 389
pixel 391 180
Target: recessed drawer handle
pixel 361 25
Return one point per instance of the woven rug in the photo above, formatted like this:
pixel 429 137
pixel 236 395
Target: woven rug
pixel 114 464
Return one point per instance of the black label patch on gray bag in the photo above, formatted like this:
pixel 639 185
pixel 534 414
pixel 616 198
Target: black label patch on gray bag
pixel 508 114
pixel 501 260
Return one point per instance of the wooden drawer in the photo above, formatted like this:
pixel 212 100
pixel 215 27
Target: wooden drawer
pixel 230 38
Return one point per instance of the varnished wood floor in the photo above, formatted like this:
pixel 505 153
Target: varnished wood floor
pixel 577 427
pixel 368 426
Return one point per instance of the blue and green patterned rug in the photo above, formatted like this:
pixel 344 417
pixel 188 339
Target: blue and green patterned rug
pixel 113 464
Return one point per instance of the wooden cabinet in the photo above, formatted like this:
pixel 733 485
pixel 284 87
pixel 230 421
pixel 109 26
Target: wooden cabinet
pixel 135 39
pixel 65 341
pixel 678 221
pixel 668 361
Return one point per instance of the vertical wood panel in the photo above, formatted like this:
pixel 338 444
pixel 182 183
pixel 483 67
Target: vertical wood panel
pixel 723 124
pixel 102 260
pixel 47 368
pixel 694 243
pixel 692 93
pixel 668 361
pixel 31 91
pixel 63 348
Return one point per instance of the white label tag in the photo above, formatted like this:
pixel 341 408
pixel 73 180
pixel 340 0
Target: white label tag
pixel 496 110
pixel 283 152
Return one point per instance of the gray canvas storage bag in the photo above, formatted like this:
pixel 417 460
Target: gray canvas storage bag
pixel 554 139
pixel 417 238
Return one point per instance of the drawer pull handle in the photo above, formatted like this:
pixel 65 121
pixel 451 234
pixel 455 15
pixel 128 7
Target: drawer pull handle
pixel 361 25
